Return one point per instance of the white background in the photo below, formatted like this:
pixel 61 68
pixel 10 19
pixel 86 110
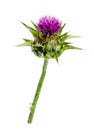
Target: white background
pixel 67 97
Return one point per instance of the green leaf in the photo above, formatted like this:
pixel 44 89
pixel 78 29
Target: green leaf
pixel 37 51
pixel 27 40
pixel 60 52
pixel 66 47
pixel 62 28
pixel 33 31
pixel 73 36
pixel 37 45
pixel 56 56
pixel 34 25
pixel 64 36
pixel 64 43
pixel 26 43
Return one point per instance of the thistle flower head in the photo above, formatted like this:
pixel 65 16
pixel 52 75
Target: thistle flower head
pixel 49 25
pixel 49 42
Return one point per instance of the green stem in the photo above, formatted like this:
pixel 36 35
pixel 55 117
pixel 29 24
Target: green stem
pixel 36 97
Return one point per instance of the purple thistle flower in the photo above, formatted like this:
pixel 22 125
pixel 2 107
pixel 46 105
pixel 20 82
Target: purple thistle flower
pixel 49 25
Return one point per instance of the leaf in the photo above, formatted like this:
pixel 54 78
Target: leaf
pixel 28 43
pixel 60 52
pixel 27 40
pixel 37 52
pixel 73 36
pixel 24 44
pixel 56 56
pixel 33 31
pixel 66 47
pixel 64 43
pixel 62 28
pixel 64 36
pixel 34 24
pixel 38 44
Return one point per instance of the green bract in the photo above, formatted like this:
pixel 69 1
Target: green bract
pixel 49 46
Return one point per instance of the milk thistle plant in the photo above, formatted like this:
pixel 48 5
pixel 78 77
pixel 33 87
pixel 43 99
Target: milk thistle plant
pixel 49 43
